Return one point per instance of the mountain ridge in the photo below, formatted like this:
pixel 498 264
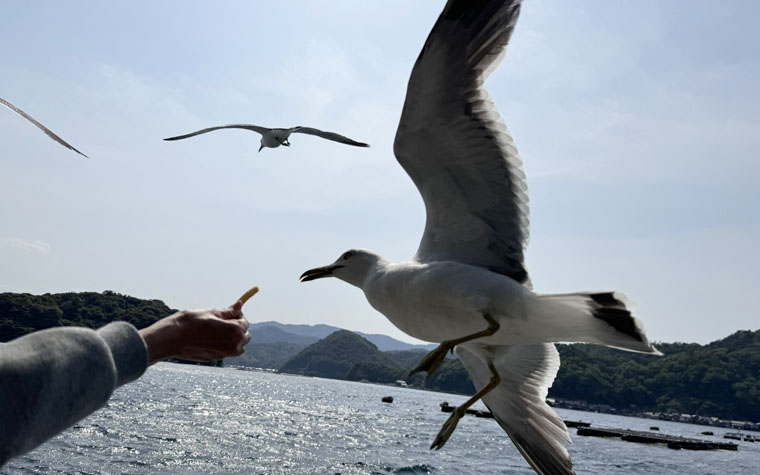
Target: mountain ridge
pixel 383 342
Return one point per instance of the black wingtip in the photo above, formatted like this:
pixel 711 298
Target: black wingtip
pixel 615 313
pixel 77 151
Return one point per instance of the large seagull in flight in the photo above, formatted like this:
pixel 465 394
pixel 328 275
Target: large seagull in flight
pixel 467 287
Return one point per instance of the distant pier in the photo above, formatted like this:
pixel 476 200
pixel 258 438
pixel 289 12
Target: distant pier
pixel 740 436
pixel 671 441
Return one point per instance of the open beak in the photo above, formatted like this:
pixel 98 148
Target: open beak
pixel 319 272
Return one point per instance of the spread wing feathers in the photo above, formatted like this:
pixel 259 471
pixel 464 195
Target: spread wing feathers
pixel 327 135
pixel 254 128
pixel 47 131
pixel 454 145
pixel 518 403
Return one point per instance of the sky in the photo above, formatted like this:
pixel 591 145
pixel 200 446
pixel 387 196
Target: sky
pixel 638 124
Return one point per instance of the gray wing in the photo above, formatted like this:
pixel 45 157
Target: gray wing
pixel 454 145
pixel 255 128
pixel 518 403
pixel 47 131
pixel 328 136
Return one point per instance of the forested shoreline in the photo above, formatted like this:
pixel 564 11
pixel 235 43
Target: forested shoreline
pixel 720 379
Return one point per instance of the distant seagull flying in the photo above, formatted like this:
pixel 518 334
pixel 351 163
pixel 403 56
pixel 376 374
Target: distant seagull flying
pixel 273 138
pixel 40 126
pixel 467 287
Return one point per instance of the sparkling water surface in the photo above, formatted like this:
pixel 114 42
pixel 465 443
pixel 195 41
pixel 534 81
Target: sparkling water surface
pixel 191 419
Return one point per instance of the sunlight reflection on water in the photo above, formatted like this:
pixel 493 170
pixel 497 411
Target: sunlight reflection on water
pixel 189 419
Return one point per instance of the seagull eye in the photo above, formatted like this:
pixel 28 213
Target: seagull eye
pixel 346 255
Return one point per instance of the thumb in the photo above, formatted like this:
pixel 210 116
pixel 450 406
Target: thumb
pixel 235 311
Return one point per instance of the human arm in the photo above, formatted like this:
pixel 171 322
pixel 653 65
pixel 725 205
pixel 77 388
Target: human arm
pixel 52 378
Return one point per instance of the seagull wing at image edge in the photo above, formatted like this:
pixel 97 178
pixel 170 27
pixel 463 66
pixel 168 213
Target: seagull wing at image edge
pixel 47 131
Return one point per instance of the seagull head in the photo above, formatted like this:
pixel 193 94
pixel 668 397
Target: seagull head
pixel 353 266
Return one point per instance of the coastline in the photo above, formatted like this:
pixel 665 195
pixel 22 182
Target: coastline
pixel 567 404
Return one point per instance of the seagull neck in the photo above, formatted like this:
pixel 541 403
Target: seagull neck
pixel 369 273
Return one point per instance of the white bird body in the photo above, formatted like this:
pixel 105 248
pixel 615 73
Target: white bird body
pixel 443 300
pixel 275 137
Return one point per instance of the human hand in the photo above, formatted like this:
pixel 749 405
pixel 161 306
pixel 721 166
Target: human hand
pixel 198 335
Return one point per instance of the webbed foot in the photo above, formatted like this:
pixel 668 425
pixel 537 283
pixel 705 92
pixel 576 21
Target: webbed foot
pixel 433 360
pixel 448 428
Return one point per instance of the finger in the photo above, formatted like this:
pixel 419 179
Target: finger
pixel 231 313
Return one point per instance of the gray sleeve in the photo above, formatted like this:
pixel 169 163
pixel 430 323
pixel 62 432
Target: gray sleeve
pixel 52 378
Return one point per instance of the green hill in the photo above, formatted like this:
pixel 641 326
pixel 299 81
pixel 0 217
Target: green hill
pixel 23 313
pixel 721 379
pixel 265 355
pixel 345 355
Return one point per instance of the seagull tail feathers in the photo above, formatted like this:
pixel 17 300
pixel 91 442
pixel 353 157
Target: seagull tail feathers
pixel 603 318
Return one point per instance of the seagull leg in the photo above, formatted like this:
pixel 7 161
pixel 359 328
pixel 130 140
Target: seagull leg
pixel 459 412
pixel 435 358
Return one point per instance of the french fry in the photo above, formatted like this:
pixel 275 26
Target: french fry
pixel 253 290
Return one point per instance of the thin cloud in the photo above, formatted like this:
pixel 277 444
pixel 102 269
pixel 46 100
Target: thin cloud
pixel 34 246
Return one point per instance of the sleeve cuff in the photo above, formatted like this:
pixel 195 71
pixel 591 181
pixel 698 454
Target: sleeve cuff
pixel 130 355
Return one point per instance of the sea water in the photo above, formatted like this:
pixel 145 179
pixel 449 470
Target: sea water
pixel 192 419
